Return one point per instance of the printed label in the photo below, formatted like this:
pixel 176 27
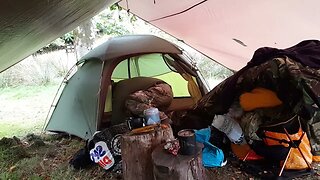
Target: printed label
pixel 101 154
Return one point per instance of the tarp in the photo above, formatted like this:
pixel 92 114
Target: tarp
pixel 228 31
pixel 27 26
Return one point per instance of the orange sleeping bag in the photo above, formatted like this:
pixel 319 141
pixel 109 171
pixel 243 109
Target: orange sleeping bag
pixel 259 98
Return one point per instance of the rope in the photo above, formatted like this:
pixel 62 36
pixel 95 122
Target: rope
pixel 179 12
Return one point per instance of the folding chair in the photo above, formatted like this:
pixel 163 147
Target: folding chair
pixel 297 143
pixel 294 144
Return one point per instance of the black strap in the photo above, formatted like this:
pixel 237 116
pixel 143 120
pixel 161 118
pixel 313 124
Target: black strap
pixel 279 140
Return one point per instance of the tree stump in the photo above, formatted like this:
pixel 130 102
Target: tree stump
pixel 181 167
pixel 136 149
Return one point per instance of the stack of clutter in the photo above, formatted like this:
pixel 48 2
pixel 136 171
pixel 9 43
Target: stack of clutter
pixel 270 109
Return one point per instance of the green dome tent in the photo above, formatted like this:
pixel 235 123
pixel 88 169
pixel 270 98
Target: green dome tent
pixel 87 98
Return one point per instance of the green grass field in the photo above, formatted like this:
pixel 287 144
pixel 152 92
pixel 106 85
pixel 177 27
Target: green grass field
pixel 23 109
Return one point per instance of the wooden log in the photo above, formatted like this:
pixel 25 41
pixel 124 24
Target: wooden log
pixel 181 167
pixel 136 149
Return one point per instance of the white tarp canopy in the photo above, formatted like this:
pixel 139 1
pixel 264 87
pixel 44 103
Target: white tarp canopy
pixel 228 31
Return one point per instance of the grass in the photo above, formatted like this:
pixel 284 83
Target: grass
pixel 24 109
pixel 22 92
pixel 11 129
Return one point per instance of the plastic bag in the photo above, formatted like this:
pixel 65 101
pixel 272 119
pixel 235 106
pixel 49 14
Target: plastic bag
pixel 211 155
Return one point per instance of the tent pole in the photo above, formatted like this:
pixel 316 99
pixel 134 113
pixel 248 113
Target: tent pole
pixel 129 71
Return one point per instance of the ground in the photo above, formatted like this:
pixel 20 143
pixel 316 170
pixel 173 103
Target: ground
pixel 47 156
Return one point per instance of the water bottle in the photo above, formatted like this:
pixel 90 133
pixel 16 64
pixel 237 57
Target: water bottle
pixel 151 116
pixel 230 127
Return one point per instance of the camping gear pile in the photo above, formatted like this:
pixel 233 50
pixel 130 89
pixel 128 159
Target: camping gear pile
pixel 275 101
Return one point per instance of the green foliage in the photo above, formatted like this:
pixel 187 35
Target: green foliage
pixel 64 172
pixel 213 70
pixel 115 7
pixel 23 168
pixel 28 166
pixel 53 46
pixel 9 155
pixel 10 175
pixel 114 21
pixel 133 19
pixel 10 129
pixel 68 38
pixel 40 69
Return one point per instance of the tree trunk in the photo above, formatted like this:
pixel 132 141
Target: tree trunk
pixel 136 151
pixel 181 167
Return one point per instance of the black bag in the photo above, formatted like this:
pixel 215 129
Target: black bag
pixel 81 158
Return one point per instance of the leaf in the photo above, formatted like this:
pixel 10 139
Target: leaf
pixel 12 168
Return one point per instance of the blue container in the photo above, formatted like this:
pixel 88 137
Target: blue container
pixel 151 116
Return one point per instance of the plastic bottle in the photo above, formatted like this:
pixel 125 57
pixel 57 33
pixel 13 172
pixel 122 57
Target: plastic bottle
pixel 230 127
pixel 151 116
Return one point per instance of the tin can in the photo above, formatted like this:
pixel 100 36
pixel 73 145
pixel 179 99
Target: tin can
pixel 187 141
